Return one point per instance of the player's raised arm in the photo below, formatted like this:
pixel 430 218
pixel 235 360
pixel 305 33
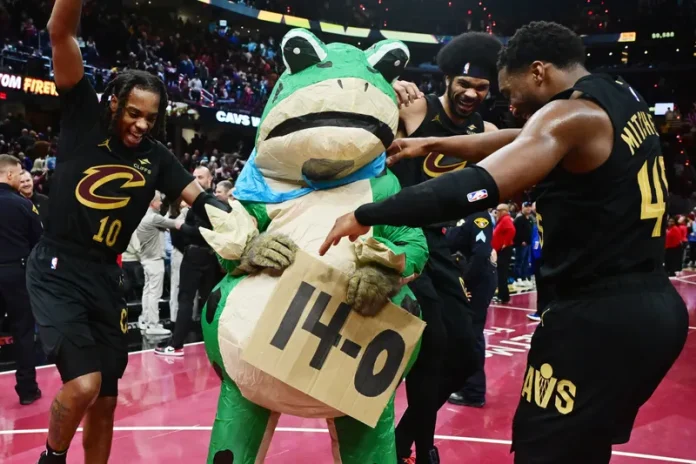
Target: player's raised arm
pixel 472 148
pixel 197 198
pixel 546 139
pixel 67 57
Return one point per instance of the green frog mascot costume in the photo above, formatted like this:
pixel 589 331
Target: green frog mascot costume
pixel 319 154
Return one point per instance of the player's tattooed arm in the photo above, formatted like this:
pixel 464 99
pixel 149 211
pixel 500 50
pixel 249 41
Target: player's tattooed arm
pixel 67 57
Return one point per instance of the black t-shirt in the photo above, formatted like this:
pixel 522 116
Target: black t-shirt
pixel 523 230
pixel 102 189
pixel 436 124
pixel 609 221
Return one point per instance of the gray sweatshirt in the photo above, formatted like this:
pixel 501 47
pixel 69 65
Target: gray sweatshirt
pixel 150 235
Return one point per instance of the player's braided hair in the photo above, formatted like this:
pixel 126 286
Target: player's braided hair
pixel 121 87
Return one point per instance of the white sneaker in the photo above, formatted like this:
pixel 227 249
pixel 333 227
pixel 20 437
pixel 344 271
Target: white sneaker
pixel 157 329
pixel 169 351
pixel 142 325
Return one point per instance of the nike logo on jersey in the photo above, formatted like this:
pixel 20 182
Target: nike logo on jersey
pixel 98 176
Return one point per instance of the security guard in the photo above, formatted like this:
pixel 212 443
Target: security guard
pixel 20 230
pixel 473 240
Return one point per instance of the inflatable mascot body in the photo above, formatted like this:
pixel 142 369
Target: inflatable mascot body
pixel 319 155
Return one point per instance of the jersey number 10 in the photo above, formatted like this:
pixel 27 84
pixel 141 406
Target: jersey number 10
pixel 649 180
pixel 112 231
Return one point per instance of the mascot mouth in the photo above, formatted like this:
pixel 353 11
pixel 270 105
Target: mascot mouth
pixel 335 119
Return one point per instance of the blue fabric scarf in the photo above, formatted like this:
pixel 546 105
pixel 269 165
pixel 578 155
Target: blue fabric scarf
pixel 251 185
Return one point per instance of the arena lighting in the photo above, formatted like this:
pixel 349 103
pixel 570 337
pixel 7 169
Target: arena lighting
pixel 10 81
pixel 627 37
pixel 40 87
pixel 377 34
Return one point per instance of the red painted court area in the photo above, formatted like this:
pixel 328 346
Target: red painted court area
pixel 167 406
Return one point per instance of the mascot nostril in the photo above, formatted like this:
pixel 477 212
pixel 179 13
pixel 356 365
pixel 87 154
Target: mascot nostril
pixel 325 169
pixel 224 457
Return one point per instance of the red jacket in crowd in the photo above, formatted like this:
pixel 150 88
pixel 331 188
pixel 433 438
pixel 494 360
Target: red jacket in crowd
pixel 504 233
pixel 684 232
pixel 673 239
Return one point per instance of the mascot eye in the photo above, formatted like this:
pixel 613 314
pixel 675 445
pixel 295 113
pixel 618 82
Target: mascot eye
pixel 389 58
pixel 301 50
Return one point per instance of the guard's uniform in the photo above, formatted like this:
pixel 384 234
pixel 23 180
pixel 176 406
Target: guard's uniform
pixel 448 346
pixel 20 230
pixel 473 240
pixel 99 195
pixel 615 324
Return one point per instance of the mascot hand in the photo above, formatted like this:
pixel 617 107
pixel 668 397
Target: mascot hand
pixel 370 288
pixel 272 251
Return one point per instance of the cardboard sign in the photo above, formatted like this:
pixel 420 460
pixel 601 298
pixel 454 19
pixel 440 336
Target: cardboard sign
pixel 310 339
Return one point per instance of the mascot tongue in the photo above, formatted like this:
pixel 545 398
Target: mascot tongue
pixel 252 186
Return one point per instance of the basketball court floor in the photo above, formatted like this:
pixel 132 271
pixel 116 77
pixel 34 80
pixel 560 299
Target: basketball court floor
pixel 166 408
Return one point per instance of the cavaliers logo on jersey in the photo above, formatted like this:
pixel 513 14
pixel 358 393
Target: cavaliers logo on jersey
pixel 98 176
pixel 436 164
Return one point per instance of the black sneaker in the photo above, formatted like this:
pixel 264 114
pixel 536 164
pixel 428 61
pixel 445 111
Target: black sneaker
pixel 56 459
pixel 461 400
pixel 29 399
pixel 433 457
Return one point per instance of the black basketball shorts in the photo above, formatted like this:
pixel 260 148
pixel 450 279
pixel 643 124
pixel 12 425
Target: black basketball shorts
pixel 596 357
pixel 82 315
pixel 449 336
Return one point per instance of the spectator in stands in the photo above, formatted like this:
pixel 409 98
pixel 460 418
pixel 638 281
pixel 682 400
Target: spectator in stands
pixel 20 230
pixel 673 248
pixel 26 188
pixel 26 140
pixel 177 212
pixel 503 239
pixel 223 190
pixel 151 254
pixel 523 239
pixel 200 272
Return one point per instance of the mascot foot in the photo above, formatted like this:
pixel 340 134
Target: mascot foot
pixel 224 457
pixel 356 443
pixel 242 430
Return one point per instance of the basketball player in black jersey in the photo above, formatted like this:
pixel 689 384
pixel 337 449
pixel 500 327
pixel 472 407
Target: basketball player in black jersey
pixel 109 167
pixel 448 355
pixel 615 324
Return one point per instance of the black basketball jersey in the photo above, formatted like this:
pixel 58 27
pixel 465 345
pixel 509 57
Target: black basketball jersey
pixel 101 189
pixel 436 124
pixel 609 221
